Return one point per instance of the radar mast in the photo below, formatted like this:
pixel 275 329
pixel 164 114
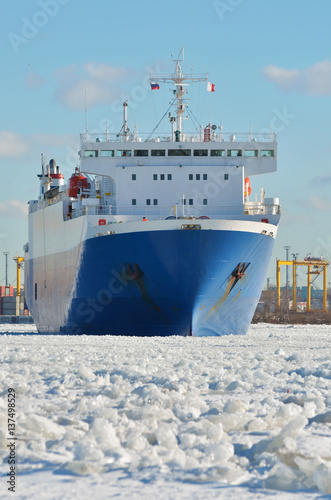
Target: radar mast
pixel 180 80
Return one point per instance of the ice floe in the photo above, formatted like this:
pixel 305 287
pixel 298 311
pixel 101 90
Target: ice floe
pixel 169 417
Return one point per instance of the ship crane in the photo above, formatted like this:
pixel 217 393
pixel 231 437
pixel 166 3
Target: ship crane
pixel 19 265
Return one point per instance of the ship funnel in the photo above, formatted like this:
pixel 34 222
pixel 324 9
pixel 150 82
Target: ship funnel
pixel 52 165
pixel 55 174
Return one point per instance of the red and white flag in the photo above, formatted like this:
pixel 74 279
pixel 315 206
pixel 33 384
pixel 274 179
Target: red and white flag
pixel 210 87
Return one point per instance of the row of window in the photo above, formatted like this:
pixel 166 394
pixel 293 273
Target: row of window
pixel 121 153
pixel 190 177
pixel 197 177
pixel 162 177
pixel 156 201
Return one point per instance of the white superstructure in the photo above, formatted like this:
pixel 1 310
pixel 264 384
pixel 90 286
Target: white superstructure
pixel 178 174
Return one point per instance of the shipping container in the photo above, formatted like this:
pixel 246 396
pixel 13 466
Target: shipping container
pixel 6 291
pixel 8 300
pixel 8 307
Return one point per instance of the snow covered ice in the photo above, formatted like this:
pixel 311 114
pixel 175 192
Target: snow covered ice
pixel 189 418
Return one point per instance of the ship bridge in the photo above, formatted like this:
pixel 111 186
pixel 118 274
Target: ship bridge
pixel 204 174
pixel 207 172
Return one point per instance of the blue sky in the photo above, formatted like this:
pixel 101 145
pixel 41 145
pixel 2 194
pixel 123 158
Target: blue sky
pixel 269 61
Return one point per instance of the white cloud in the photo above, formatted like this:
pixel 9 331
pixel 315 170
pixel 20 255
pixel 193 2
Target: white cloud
pixel 15 146
pixel 12 144
pixel 318 203
pixel 315 80
pixel 33 80
pixel 321 181
pixel 103 72
pixel 99 82
pixel 284 78
pixel 67 74
pixel 54 140
pixel 13 209
pixel 318 78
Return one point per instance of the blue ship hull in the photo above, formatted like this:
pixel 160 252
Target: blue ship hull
pixel 156 283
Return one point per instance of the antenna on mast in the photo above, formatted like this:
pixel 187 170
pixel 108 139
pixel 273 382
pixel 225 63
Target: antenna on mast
pixel 107 133
pixel 178 79
pixel 43 168
pixel 124 132
pixel 86 128
pixel 179 58
pixel 125 117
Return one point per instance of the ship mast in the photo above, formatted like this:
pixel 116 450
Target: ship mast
pixel 179 79
pixel 124 132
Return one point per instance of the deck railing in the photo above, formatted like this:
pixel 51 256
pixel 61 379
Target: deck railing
pixel 162 211
pixel 246 137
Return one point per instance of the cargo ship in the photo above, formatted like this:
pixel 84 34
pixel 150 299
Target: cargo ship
pixel 153 235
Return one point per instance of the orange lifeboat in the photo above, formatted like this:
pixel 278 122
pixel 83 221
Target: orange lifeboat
pixel 248 188
pixel 77 184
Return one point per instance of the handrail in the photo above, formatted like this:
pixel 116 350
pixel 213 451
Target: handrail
pixel 232 137
pixel 162 211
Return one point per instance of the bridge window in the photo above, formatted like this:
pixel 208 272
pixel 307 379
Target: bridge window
pixel 154 177
pixel 251 152
pixel 190 201
pixel 148 201
pixel 155 202
pixel 108 153
pixel 205 201
pixel 90 153
pixel 204 177
pixel 134 201
pixel 169 177
pixel 158 152
pixel 179 152
pixel 217 152
pixel 124 153
pixel 226 177
pixel 200 152
pixel 197 177
pixel 267 152
pixel 190 177
pixel 162 176
pixel 35 291
pixel 234 152
pixel 141 152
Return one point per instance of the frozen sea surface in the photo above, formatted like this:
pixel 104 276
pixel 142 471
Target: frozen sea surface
pixel 169 418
